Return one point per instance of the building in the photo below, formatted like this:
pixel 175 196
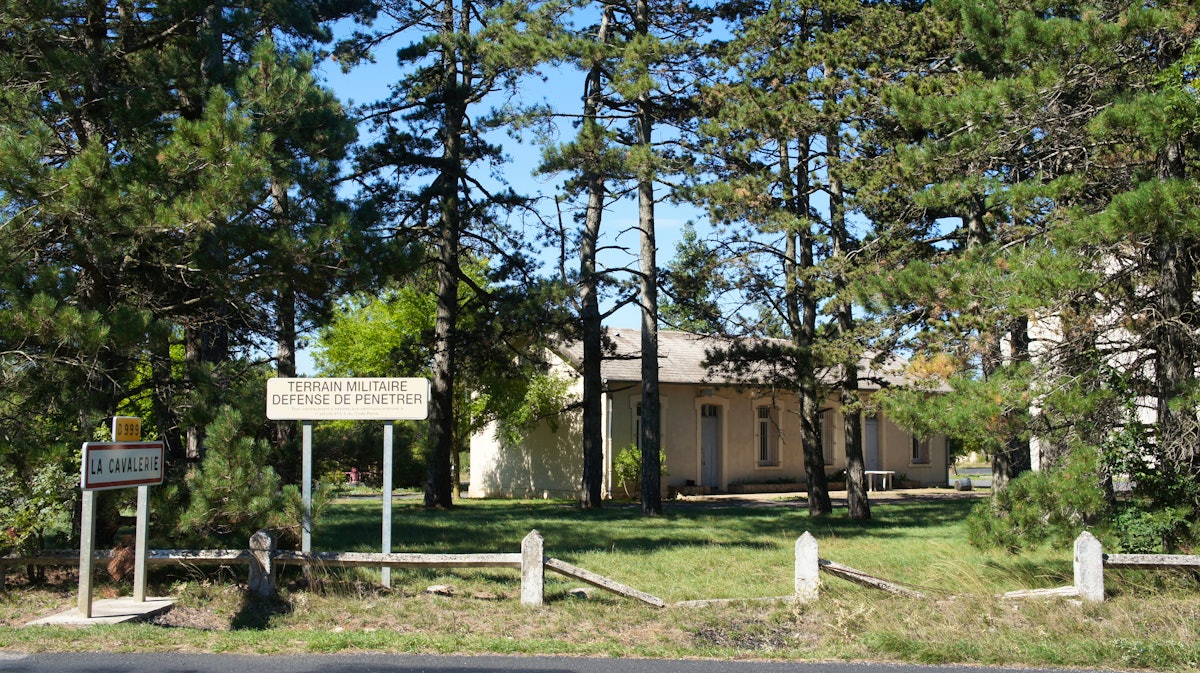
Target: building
pixel 718 432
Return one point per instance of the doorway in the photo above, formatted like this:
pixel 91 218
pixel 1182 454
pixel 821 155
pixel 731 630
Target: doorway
pixel 871 442
pixel 710 445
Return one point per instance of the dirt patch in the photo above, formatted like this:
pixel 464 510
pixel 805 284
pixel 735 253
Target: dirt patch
pixel 192 618
pixel 755 635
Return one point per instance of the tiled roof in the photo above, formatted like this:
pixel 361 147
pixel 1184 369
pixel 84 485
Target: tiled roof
pixel 682 358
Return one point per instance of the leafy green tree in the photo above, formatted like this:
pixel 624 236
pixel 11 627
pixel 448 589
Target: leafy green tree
pixel 387 335
pixel 422 171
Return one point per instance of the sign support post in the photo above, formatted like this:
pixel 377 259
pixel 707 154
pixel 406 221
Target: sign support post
pixel 87 552
pixel 129 429
pixel 109 465
pixel 306 490
pixel 141 542
pixel 388 431
pixel 385 399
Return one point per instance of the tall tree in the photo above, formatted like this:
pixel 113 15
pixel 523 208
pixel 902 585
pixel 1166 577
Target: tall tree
pixel 785 130
pixel 421 173
pixel 136 137
pixel 1062 136
pixel 594 165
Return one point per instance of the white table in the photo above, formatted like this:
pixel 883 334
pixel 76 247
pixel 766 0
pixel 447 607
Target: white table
pixel 885 479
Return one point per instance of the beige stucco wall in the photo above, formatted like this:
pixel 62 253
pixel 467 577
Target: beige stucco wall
pixel 548 462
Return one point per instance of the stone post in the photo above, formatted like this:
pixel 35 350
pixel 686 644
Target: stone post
pixel 533 570
pixel 1089 568
pixel 807 568
pixel 262 571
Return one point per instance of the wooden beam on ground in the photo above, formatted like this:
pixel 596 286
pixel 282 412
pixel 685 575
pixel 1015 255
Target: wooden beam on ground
pixel 709 602
pixel 564 568
pixel 1066 592
pixel 861 578
pixel 399 560
pixel 198 557
pixel 58 557
pixel 1151 561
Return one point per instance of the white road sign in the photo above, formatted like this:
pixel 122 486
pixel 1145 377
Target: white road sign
pixel 347 399
pixel 121 464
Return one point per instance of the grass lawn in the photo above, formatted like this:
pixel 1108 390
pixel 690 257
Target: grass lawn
pixel 1151 621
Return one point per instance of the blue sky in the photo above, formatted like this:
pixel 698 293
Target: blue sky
pixel 562 89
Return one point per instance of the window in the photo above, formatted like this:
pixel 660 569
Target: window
pixel 637 427
pixel 825 435
pixel 920 450
pixel 635 406
pixel 764 436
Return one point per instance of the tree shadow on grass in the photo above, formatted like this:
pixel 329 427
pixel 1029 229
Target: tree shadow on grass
pixel 256 612
pixel 499 527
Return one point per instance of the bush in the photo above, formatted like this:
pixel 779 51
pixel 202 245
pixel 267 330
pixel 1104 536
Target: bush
pixel 1037 508
pixel 627 469
pixel 1153 531
pixel 1160 517
pixel 36 505
pixel 233 492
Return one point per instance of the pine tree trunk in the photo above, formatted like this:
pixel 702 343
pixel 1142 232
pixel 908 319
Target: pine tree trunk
pixel 802 315
pixel 1014 458
pixel 439 491
pixel 1175 361
pixel 856 484
pixel 285 317
pixel 593 331
pixel 651 442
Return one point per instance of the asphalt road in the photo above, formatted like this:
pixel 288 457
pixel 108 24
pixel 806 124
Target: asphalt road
pixel 382 663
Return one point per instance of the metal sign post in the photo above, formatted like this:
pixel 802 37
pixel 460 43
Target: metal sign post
pixel 111 465
pixel 351 399
pixel 388 430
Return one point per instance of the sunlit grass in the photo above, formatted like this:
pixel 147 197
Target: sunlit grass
pixel 1151 620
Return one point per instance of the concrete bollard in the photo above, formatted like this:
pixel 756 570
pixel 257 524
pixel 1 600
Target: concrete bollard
pixel 808 580
pixel 1089 567
pixel 262 572
pixel 533 569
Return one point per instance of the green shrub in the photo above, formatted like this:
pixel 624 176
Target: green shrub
pixel 37 504
pixel 1046 507
pixel 234 491
pixel 1153 531
pixel 627 469
pixel 1160 517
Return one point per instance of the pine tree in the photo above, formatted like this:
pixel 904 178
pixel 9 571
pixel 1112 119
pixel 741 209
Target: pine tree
pixel 1063 142
pixel 421 174
pixel 137 141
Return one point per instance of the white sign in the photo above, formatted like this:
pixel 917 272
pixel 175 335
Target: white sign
pixel 121 464
pixel 347 399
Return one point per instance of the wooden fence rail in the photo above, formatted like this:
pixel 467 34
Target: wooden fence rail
pixel 262 557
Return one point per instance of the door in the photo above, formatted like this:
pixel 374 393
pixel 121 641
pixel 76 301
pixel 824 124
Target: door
pixel 710 425
pixel 871 442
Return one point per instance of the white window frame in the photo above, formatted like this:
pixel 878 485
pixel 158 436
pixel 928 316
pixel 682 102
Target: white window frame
pixel 635 414
pixel 825 426
pixel 773 436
